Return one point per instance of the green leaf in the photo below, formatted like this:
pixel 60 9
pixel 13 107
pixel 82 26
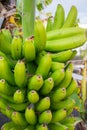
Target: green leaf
pixel 41 4
pixel 79 105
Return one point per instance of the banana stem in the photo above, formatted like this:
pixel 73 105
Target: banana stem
pixel 84 85
pixel 28 18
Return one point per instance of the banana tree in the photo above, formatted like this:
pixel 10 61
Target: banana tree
pixel 28 17
pixel 27 9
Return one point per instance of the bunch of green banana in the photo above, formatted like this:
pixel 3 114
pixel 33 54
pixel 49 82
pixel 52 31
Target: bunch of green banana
pixel 36 81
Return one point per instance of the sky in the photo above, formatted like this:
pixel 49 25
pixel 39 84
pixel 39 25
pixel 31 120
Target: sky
pixel 80 4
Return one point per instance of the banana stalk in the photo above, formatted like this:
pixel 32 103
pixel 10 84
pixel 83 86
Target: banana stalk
pixel 28 16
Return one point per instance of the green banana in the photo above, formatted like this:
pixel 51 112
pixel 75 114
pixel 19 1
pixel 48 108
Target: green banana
pixel 5 41
pixel 5 88
pixel 10 61
pixel 7 97
pixel 8 126
pixel 66 43
pixel 59 17
pixel 5 70
pixel 58 95
pixel 4 55
pixel 63 56
pixel 69 65
pixel 35 82
pixel 74 52
pixel 16 48
pixel 30 115
pixel 49 25
pixel 7 34
pixel 33 96
pixel 44 66
pixel 70 126
pixel 20 74
pixel 5 103
pixel 40 36
pixel 69 120
pixel 58 115
pixel 68 76
pixel 18 107
pixel 71 88
pixel 64 33
pixel 19 96
pixel 39 56
pixel 47 86
pixel 56 66
pixel 67 104
pixel 42 127
pixel 58 126
pixel 71 17
pixel 18 118
pixel 43 104
pixel 29 50
pixel 9 111
pixel 57 76
pixel 45 117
